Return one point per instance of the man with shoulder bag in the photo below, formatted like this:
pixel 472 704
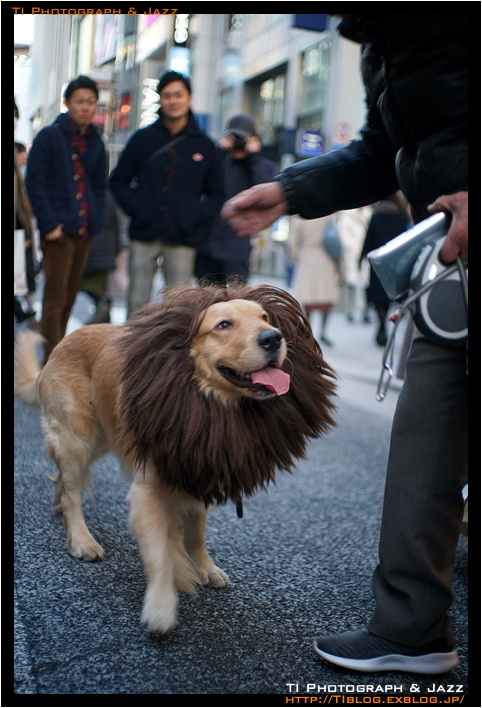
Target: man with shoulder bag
pixel 168 180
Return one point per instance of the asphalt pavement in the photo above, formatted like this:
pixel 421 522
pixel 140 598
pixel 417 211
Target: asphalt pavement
pixel 300 563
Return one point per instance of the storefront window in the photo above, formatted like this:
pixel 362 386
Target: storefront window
pixel 314 83
pixel 272 95
pixel 123 114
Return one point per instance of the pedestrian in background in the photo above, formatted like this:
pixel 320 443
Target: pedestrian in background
pixel 224 255
pixel 316 277
pixel 23 221
pixel 415 69
pixel 389 219
pixel 168 180
pixel 352 226
pixel 103 259
pixel 66 177
pixel 21 155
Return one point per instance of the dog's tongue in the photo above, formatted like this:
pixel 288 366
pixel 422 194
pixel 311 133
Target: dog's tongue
pixel 274 379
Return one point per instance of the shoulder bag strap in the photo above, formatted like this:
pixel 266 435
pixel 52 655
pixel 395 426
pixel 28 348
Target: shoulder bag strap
pixel 164 148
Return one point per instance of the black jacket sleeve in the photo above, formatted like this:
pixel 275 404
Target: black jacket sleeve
pixel 361 173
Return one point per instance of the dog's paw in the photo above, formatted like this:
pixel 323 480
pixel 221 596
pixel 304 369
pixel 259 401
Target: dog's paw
pixel 87 550
pixel 159 612
pixel 213 576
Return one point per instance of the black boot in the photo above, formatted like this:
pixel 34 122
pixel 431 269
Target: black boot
pixel 20 314
pixel 102 311
pixel 381 337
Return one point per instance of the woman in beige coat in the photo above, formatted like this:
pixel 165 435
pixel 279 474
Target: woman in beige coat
pixel 316 275
pixel 352 226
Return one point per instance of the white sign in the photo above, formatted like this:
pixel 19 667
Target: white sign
pixel 342 132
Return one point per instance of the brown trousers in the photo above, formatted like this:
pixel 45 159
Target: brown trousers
pixel 63 264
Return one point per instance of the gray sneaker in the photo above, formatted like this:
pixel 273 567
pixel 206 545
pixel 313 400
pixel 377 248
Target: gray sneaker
pixel 362 651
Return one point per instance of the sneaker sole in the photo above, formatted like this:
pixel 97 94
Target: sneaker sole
pixel 425 664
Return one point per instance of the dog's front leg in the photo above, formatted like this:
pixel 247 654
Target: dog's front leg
pixel 194 520
pixel 150 520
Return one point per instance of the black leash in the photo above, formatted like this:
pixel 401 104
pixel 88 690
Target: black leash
pixel 239 508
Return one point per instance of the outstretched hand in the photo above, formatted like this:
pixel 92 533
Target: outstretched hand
pixel 251 211
pixel 456 242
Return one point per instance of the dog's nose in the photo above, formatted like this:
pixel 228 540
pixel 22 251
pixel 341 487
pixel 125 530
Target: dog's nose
pixel 270 340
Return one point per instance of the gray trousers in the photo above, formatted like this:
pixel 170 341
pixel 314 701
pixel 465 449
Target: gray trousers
pixel 178 269
pixel 423 505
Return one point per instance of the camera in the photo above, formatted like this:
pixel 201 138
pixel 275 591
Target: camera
pixel 239 143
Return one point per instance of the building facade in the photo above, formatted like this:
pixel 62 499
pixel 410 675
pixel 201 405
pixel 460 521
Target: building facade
pixel 293 73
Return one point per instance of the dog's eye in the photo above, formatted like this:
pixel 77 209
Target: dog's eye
pixel 264 317
pixel 224 324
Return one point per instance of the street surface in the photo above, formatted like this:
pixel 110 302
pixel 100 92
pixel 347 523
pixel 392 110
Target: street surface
pixel 300 564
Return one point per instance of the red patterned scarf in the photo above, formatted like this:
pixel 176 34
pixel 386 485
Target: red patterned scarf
pixel 81 146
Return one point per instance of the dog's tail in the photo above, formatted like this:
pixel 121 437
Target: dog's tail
pixel 26 366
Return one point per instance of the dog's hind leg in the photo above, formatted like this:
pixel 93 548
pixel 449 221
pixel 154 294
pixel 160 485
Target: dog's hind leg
pixel 57 480
pixel 194 520
pixel 153 520
pixel 72 457
pixel 80 542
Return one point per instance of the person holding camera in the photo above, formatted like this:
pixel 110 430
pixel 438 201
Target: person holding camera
pixel 225 255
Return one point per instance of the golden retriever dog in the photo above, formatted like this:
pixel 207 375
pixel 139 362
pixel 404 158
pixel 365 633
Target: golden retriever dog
pixel 203 396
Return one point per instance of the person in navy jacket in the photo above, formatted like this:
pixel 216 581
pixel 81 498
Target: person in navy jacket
pixel 65 181
pixel 171 196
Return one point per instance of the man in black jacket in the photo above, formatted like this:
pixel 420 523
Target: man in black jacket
pixel 168 180
pixel 225 255
pixel 415 69
pixel 66 177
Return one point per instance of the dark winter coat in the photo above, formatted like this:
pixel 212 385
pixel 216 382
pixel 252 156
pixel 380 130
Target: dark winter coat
pixel 415 70
pixel 50 179
pixel 177 194
pixel 238 175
